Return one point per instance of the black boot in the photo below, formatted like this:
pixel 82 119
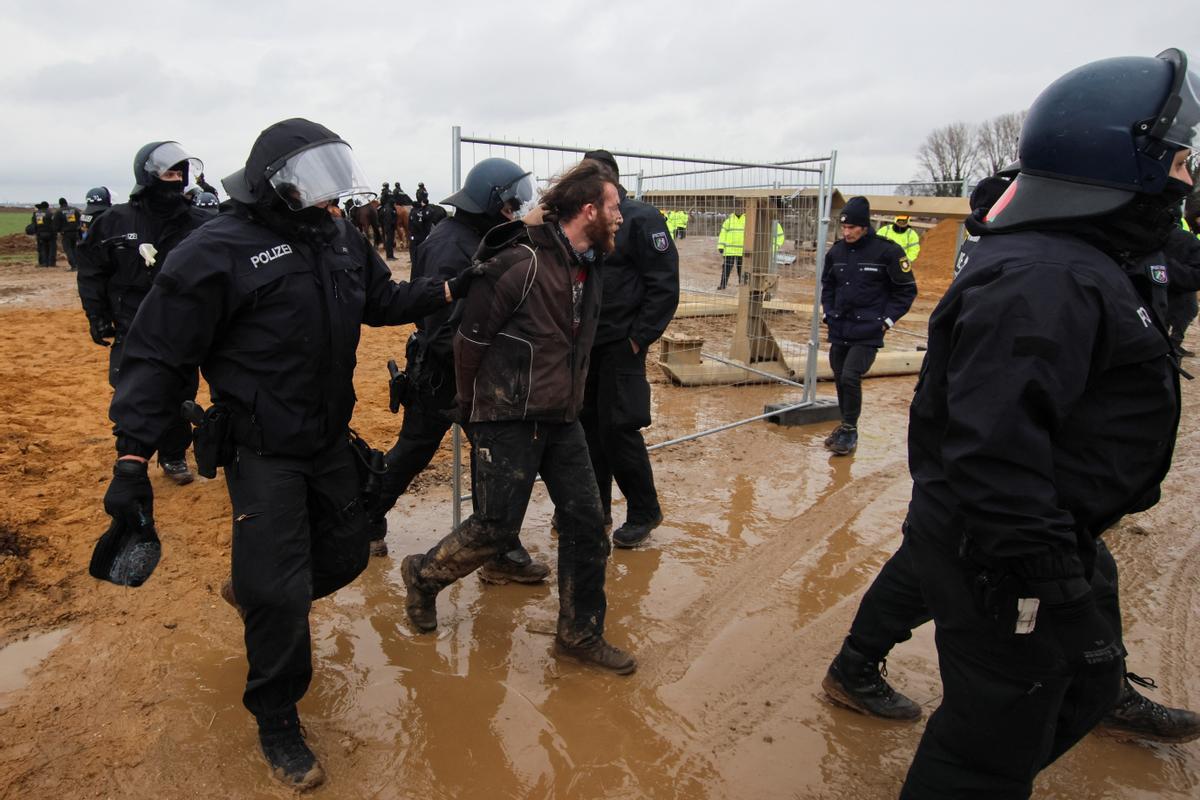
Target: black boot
pixel 631 534
pixel 855 682
pixel 292 763
pixel 845 441
pixel 833 434
pixel 376 531
pixel 1137 716
pixel 598 653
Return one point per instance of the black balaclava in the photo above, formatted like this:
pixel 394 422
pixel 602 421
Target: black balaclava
pixel 1143 224
pixel 312 224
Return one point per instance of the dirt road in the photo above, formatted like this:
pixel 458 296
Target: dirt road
pixel 734 613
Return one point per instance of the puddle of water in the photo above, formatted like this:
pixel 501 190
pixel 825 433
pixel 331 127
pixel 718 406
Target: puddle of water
pixel 19 658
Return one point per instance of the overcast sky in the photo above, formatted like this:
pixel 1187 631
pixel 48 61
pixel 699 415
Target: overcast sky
pixel 88 83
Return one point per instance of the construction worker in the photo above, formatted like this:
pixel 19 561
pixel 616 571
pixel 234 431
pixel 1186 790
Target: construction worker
pixel 731 245
pixel 899 232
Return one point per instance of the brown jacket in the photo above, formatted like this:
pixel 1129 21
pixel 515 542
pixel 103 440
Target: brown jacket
pixel 517 353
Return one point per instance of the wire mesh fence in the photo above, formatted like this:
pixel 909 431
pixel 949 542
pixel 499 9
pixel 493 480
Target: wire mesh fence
pixel 749 236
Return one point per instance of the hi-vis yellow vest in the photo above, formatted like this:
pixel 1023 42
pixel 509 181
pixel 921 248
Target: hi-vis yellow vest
pixel 732 239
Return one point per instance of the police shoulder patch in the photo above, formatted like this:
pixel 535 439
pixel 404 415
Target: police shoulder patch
pixel 1158 273
pixel 905 265
pixel 660 241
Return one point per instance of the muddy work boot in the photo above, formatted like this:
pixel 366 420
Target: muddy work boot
pixel 631 534
pixel 833 434
pixel 598 653
pixel 420 605
pixel 177 471
pixel 855 682
pixel 515 566
pixel 228 596
pixel 845 441
pixel 1137 716
pixel 283 745
pixel 376 530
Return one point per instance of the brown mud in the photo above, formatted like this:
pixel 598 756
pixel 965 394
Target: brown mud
pixel 734 611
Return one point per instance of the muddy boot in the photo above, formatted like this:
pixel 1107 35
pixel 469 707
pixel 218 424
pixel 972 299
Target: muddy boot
pixel 1137 716
pixel 845 441
pixel 177 471
pixel 515 566
pixel 631 534
pixel 376 531
pixel 598 653
pixel 292 763
pixel 833 434
pixel 857 683
pixel 228 597
pixel 420 605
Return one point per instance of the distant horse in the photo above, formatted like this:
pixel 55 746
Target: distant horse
pixel 402 225
pixel 366 217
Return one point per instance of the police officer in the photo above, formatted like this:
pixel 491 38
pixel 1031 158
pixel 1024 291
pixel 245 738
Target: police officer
pixel 731 241
pixel 269 299
pixel 66 222
pixel 387 219
pixel 641 292
pixel 493 193
pixel 124 251
pixel 1181 299
pixel 385 194
pixel 42 227
pixel 867 285
pixel 98 201
pixel 898 231
pixel 421 221
pixel 1046 410
pixel 422 194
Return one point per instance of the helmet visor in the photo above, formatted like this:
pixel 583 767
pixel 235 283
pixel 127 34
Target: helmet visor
pixel 320 173
pixel 168 156
pixel 1179 120
pixel 518 195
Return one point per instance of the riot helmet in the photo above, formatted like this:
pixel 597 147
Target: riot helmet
pixel 1100 135
pixel 206 200
pixel 492 185
pixel 300 162
pixel 156 158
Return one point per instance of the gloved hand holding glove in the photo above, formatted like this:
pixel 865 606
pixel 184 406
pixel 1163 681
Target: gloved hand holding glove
pixel 127 553
pixel 101 330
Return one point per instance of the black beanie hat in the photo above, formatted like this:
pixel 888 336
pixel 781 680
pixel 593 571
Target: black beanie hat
pixel 857 211
pixel 606 158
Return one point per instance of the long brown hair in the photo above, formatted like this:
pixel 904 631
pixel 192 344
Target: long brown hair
pixel 578 186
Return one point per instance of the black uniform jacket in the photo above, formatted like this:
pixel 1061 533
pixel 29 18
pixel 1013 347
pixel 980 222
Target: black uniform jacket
pixel 113 276
pixel 641 278
pixel 272 324
pixel 518 354
pixel 449 250
pixel 1183 261
pixel 1046 408
pixel 862 285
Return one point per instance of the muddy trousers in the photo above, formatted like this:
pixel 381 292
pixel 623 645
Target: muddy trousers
pixel 728 263
pixel 47 250
pixel 616 405
pixel 1011 704
pixel 177 438
pixel 508 457
pixel 299 533
pixel 849 363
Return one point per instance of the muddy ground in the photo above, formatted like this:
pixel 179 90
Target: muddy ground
pixel 734 612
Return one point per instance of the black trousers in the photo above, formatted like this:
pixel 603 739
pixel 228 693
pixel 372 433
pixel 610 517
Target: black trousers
pixel 1181 310
pixel 850 362
pixel 727 265
pixel 616 405
pixel 177 438
pixel 47 250
pixel 508 457
pixel 1011 704
pixel 389 240
pixel 299 533
pixel 681 233
pixel 68 243
pixel 421 435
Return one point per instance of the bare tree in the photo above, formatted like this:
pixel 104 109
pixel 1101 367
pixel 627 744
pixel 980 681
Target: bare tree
pixel 948 156
pixel 996 141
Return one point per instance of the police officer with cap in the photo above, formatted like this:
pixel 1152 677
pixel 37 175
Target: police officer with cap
pixel 640 294
pixel 867 285
pixel 495 191
pixel 42 227
pixel 124 251
pixel 268 299
pixel 1047 409
pixel 66 221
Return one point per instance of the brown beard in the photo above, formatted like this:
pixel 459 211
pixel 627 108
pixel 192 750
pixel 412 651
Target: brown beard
pixel 599 235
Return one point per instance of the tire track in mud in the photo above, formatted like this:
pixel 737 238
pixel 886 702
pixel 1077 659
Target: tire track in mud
pixel 1179 660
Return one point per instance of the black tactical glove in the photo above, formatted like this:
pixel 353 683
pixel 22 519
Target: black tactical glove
pixel 101 330
pixel 460 284
pixel 1086 638
pixel 130 494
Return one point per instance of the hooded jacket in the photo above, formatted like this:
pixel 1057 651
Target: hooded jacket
pixel 518 353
